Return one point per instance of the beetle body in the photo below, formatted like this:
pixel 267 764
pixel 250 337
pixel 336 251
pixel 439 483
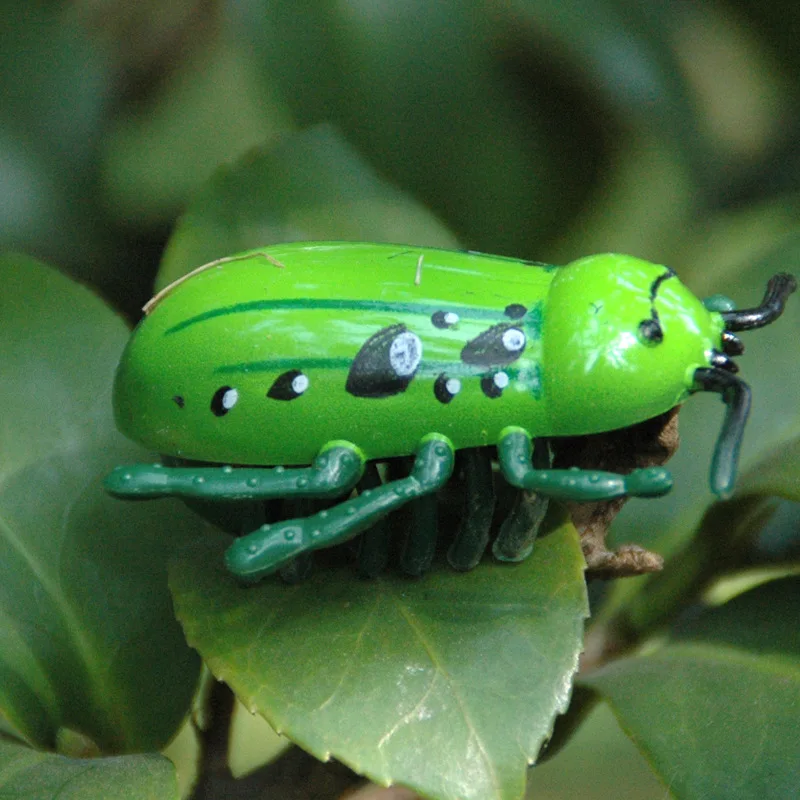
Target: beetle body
pixel 334 355
pixel 330 341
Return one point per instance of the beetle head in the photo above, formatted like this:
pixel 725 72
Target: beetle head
pixel 625 341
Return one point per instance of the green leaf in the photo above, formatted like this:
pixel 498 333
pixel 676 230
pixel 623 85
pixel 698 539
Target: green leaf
pixel 88 641
pixel 252 742
pixel 723 541
pixel 776 475
pixel 447 685
pixel 312 186
pixel 26 774
pixel 185 752
pixel 598 763
pixel 715 709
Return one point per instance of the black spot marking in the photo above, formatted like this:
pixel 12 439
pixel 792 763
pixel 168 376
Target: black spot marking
pixel 650 331
pixel 515 311
pixel 444 319
pixel 179 401
pixel 445 389
pixel 491 348
pixel 288 386
pixel 224 399
pixel 386 363
pixel 489 386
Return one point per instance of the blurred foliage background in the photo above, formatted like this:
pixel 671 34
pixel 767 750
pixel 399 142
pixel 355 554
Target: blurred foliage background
pixel 531 128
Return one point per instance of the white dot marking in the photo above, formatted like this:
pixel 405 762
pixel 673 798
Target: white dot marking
pixel 453 386
pixel 405 354
pixel 513 340
pixel 230 399
pixel 451 318
pixel 300 383
pixel 500 380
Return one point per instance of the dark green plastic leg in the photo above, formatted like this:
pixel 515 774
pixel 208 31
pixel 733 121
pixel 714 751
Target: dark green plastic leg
pixel 520 528
pixel 515 451
pixel 298 569
pixel 473 532
pixel 373 554
pixel 267 549
pixel 420 545
pixel 333 472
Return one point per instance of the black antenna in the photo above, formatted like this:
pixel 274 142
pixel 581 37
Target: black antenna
pixel 779 288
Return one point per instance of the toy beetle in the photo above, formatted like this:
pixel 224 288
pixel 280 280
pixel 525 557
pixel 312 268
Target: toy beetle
pixel 336 354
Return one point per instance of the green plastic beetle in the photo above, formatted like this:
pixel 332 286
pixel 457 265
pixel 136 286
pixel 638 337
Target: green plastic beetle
pixel 303 364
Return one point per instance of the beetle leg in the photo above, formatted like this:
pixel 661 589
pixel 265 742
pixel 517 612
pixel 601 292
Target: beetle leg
pixel 298 569
pixel 520 528
pixel 514 451
pixel 373 554
pixel 476 520
pixel 333 472
pixel 267 549
pixel 420 545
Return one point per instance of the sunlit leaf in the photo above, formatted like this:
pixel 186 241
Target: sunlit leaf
pixel 252 742
pixel 185 752
pixel 448 684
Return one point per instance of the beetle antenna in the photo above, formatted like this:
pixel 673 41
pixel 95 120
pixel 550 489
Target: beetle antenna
pixel 779 288
pixel 736 396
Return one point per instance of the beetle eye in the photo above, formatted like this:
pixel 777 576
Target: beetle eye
pixel 224 400
pixel 650 332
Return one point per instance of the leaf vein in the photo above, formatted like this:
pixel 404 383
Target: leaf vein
pixel 437 662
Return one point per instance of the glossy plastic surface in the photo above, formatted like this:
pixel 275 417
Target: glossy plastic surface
pixel 262 358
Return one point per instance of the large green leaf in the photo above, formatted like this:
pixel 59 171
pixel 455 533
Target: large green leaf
pixel 312 185
pixel 88 641
pixel 26 774
pixel 448 684
pixel 715 710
